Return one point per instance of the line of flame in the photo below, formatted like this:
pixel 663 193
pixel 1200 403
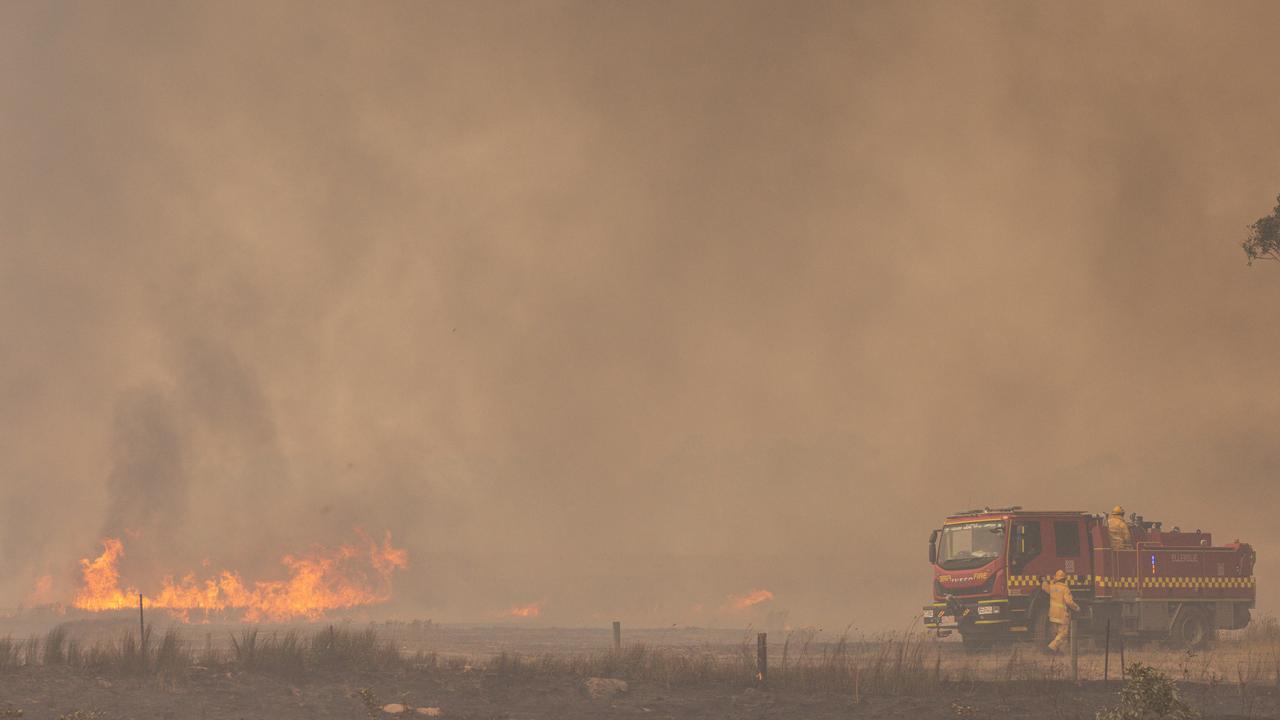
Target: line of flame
pixel 320 581
pixel 755 597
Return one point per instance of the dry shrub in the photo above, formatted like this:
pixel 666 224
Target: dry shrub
pixel 124 656
pixel 351 649
pixel 275 654
pixel 1148 693
pixel 290 655
pixel 667 666
pixel 424 661
pixel 1263 629
pixel 10 654
pixel 171 657
pixel 55 646
pixel 131 658
pixel 29 651
pixel 898 665
pixel 246 648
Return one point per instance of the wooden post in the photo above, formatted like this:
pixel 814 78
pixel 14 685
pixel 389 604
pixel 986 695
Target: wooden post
pixel 1120 637
pixel 617 636
pixel 762 658
pixel 1106 655
pixel 1075 651
pixel 142 633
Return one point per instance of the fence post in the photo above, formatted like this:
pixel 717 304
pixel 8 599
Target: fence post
pixel 762 658
pixel 617 636
pixel 142 633
pixel 1106 656
pixel 1075 651
pixel 1120 637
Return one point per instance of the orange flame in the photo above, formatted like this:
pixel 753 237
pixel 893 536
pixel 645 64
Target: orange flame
pixel 322 580
pixel 101 580
pixel 526 611
pixel 42 593
pixel 755 597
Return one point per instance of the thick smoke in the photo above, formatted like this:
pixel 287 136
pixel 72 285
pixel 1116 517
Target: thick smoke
pixel 147 487
pixel 628 308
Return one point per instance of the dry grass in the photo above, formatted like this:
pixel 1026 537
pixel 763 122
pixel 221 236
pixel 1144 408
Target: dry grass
pixel 896 665
pixel 55 652
pixel 11 654
pixel 290 654
pixel 905 663
pixel 332 648
pixel 167 658
pixel 287 654
pixel 908 663
pixel 274 654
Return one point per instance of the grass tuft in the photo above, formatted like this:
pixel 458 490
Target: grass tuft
pixel 55 646
pixel 10 654
pixel 345 649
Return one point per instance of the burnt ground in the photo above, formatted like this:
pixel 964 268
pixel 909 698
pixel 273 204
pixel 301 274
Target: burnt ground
pixel 58 692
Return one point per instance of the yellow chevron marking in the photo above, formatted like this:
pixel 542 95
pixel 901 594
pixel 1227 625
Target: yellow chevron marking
pixel 1037 580
pixel 1131 583
pixel 1198 582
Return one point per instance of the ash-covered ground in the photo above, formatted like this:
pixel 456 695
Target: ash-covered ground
pixel 47 693
pixel 93 668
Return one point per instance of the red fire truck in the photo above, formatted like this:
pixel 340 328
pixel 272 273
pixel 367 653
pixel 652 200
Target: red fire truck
pixel 989 566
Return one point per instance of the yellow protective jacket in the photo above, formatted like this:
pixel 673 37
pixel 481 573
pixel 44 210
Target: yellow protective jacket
pixel 1118 529
pixel 1059 600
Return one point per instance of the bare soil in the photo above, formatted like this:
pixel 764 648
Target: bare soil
pixel 62 693
pixel 1236 679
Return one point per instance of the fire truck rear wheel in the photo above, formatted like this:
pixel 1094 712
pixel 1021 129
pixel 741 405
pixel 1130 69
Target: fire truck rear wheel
pixel 1241 617
pixel 1097 628
pixel 1191 630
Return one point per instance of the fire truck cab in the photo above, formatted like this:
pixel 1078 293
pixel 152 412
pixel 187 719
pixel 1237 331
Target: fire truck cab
pixel 990 566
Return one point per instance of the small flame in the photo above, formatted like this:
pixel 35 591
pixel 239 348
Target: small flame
pixel 42 593
pixel 751 599
pixel 320 581
pixel 525 611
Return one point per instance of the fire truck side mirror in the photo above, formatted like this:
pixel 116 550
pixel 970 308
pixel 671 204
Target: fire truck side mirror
pixel 933 547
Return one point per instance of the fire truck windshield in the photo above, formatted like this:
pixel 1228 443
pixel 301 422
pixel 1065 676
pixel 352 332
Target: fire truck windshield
pixel 970 545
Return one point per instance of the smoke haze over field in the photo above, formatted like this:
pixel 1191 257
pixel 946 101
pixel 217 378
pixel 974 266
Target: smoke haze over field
pixel 626 308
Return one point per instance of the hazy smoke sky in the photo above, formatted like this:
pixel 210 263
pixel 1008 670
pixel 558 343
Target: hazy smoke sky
pixel 628 307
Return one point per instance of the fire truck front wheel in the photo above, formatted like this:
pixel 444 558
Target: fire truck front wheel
pixel 1038 626
pixel 977 641
pixel 1191 629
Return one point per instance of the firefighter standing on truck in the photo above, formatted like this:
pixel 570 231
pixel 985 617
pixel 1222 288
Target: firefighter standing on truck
pixel 1059 601
pixel 1118 529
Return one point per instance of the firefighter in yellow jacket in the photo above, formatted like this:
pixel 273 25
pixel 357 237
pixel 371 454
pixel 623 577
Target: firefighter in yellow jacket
pixel 1118 529
pixel 1059 601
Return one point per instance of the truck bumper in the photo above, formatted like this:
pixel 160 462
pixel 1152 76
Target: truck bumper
pixel 943 616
